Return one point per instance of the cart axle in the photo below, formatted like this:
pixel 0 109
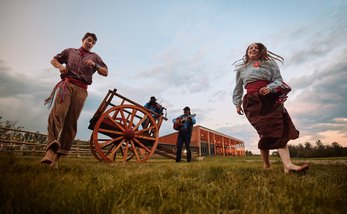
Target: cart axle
pixel 129 134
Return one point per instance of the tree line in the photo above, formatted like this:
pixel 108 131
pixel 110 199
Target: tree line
pixel 318 150
pixel 307 150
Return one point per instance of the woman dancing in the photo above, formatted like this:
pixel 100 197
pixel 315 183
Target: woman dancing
pixel 263 103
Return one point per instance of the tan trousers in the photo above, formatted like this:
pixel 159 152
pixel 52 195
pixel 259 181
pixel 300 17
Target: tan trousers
pixel 62 121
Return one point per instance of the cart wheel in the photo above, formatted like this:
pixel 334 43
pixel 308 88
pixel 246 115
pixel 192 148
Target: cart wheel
pixel 125 132
pixel 93 150
pixel 96 154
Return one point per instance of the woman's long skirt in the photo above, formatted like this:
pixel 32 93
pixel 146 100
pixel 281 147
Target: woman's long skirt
pixel 271 120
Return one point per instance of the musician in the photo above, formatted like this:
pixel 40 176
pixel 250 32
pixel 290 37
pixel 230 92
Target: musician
pixel 185 133
pixel 155 107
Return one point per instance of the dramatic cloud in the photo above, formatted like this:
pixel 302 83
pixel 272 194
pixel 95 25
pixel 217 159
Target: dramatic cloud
pixel 190 73
pixel 21 99
pixel 322 99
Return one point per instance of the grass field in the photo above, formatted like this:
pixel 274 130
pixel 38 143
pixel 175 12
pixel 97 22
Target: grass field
pixel 214 185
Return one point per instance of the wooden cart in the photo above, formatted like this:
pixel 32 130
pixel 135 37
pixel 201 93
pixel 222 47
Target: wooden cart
pixel 124 129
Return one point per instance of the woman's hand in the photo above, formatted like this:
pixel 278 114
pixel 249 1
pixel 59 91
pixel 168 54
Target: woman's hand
pixel 264 91
pixel 239 110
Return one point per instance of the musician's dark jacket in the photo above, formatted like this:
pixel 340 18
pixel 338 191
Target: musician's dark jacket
pixel 155 108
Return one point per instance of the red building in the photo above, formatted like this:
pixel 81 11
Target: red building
pixel 206 141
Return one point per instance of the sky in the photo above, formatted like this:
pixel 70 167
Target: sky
pixel 181 52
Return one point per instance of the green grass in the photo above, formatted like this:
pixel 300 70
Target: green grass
pixel 214 185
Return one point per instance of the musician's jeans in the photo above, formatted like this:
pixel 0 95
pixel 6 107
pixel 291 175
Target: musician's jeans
pixel 183 137
pixel 62 121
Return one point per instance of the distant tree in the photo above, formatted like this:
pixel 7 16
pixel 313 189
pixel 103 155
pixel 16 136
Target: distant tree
pixel 319 144
pixel 319 150
pixel 248 153
pixel 336 145
pixel 293 150
pixel 10 125
pixel 338 150
pixel 308 146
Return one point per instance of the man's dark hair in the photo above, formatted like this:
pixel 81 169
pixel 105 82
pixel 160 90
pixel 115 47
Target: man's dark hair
pixel 90 34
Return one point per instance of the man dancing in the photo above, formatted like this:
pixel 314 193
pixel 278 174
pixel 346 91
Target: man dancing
pixel 69 95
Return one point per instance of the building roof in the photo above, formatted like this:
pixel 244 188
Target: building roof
pixel 219 133
pixel 209 130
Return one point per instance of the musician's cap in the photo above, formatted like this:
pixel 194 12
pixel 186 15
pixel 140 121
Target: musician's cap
pixel 153 99
pixel 186 108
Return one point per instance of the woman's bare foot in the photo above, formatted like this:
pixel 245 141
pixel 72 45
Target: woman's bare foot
pixel 295 168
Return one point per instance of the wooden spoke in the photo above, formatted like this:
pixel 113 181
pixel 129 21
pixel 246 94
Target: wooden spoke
pixel 132 118
pixel 144 130
pixel 117 124
pixel 115 114
pixel 111 156
pixel 110 131
pixel 110 149
pixel 143 146
pixel 123 117
pixel 134 149
pixel 140 122
pixel 104 144
pixel 145 137
pixel 129 115
pixel 125 153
